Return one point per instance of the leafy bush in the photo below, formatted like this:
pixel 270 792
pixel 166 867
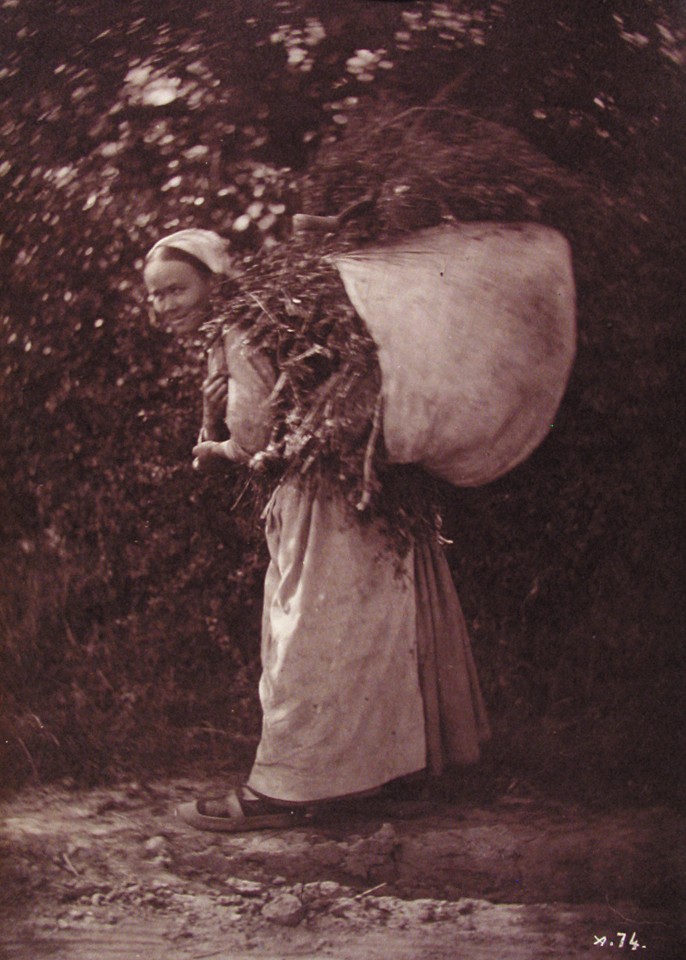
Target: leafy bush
pixel 131 587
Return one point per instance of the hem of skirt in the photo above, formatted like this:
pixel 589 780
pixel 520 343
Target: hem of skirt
pixel 353 795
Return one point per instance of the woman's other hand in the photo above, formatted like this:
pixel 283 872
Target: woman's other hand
pixel 209 456
pixel 215 389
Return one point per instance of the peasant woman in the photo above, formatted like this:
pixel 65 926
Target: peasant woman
pixel 367 672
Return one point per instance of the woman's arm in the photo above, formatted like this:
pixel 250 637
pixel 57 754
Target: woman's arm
pixel 248 412
pixel 209 454
pixel 248 421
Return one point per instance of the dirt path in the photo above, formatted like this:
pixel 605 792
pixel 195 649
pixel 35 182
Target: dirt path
pixel 111 873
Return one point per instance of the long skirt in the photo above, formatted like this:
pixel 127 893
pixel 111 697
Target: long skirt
pixel 367 672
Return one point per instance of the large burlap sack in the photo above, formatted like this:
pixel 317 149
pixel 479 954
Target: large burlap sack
pixel 475 329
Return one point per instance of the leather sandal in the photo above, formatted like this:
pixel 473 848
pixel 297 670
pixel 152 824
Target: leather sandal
pixel 239 811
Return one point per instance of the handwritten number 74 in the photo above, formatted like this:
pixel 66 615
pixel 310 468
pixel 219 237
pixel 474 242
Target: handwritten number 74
pixel 633 942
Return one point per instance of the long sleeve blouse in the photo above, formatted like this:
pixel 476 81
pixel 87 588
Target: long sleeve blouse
pixel 246 424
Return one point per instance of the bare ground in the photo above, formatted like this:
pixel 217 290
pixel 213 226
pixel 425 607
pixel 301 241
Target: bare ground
pixel 111 872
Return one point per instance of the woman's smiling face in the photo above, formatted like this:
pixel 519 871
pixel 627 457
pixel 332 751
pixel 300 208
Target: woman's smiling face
pixel 179 294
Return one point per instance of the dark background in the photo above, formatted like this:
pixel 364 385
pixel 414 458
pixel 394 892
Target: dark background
pixel 131 590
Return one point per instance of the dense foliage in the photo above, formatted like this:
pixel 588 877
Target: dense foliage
pixel 131 587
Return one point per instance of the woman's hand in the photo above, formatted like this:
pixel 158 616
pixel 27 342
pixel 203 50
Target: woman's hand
pixel 215 390
pixel 209 457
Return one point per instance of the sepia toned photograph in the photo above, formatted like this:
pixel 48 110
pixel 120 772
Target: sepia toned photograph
pixel 341 479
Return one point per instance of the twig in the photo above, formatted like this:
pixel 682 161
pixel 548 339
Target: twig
pixel 241 494
pixel 423 110
pixel 357 207
pixel 638 923
pixel 316 350
pixel 450 88
pixel 262 307
pixel 32 764
pixel 371 890
pixel 278 387
pixel 69 633
pixel 210 729
pixel 70 866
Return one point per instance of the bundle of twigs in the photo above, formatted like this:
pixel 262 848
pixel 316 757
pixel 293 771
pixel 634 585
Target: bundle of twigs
pixel 430 165
pixel 392 174
pixel 326 403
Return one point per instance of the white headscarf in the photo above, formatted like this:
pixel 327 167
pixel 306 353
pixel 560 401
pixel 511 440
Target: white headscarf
pixel 206 245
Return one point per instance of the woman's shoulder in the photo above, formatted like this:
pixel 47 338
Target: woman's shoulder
pixel 216 354
pixel 228 342
pixel 242 354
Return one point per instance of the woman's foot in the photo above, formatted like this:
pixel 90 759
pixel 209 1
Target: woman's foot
pixel 240 810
